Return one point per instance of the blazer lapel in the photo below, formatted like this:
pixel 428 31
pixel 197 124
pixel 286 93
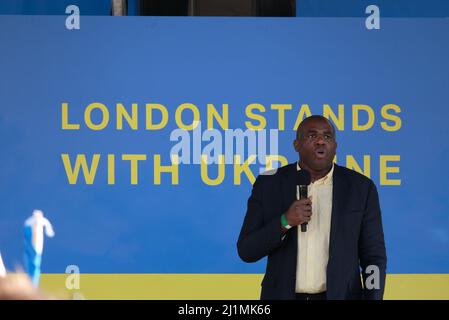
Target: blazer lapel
pixel 288 186
pixel 339 198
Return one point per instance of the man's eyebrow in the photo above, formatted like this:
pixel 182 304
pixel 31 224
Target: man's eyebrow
pixel 314 130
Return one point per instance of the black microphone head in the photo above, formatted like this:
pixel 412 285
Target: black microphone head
pixel 303 178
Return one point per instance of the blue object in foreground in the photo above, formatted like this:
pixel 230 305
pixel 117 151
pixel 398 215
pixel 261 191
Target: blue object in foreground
pixel 34 244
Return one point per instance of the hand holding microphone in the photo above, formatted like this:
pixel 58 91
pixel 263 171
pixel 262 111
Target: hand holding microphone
pixel 300 211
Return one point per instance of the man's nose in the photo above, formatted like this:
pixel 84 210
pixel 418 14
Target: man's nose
pixel 320 139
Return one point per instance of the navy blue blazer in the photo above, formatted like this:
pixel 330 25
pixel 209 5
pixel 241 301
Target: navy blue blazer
pixel 356 236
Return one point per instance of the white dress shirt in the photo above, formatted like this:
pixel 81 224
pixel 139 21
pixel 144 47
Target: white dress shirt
pixel 313 245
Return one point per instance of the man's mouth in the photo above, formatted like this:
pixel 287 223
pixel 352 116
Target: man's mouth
pixel 320 153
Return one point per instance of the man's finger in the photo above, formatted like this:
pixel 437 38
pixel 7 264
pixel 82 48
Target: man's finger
pixel 306 201
pixel 306 208
pixel 307 214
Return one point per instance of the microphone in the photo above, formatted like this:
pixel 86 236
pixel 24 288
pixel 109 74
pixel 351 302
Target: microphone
pixel 302 182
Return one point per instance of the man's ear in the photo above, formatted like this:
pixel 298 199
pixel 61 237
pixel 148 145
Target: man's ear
pixel 296 145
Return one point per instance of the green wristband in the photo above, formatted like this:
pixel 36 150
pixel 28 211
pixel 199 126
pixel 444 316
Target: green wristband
pixel 284 222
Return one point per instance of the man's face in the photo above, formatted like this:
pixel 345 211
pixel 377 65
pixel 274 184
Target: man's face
pixel 316 144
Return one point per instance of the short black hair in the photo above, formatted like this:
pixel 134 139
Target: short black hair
pixel 314 117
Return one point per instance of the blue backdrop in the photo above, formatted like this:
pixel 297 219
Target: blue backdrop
pixel 193 227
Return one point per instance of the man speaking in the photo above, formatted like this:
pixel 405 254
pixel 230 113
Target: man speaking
pixel 318 223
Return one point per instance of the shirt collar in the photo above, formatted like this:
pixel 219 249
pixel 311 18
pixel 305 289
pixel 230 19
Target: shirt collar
pixel 327 179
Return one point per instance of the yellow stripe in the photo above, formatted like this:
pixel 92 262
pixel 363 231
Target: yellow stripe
pixel 217 286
